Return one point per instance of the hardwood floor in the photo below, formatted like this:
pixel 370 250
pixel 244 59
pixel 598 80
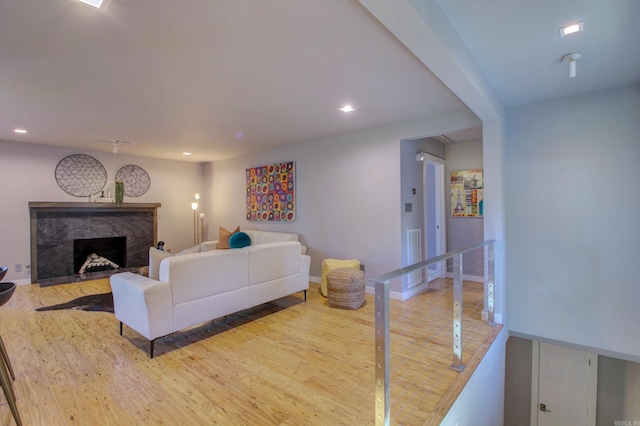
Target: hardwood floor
pixel 288 362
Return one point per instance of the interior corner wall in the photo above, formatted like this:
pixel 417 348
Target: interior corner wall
pixel 347 199
pixel 572 219
pixel 348 192
pixel 632 391
pixel 29 173
pixel 518 381
pixel 611 390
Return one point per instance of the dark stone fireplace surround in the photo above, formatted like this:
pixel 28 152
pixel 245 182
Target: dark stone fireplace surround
pixel 55 225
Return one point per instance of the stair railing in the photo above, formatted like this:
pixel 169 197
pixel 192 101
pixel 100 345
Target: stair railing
pixel 382 321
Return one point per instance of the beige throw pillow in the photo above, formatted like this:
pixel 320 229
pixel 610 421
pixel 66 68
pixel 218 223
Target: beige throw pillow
pixel 223 237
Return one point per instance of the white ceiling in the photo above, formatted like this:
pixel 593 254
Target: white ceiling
pixel 222 78
pixel 518 46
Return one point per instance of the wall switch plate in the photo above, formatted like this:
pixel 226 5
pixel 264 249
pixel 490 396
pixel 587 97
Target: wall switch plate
pixel 18 267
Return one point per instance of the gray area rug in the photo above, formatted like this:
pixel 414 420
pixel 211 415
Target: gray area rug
pixel 93 302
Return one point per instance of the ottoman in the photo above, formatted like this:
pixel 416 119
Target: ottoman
pixel 329 265
pixel 345 288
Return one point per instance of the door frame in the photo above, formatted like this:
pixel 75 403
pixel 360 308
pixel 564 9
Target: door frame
pixel 441 222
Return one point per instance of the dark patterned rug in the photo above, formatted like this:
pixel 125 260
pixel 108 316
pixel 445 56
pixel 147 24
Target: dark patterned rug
pixel 93 302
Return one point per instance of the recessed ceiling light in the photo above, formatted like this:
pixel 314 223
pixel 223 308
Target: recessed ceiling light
pixel 94 3
pixel 21 131
pixel 570 29
pixel 186 153
pixel 347 108
pixel 98 4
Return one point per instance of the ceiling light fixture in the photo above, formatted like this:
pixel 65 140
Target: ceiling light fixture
pixel 186 153
pixel 116 144
pixel 94 3
pixel 571 58
pixel 347 108
pixel 21 131
pixel 98 4
pixel 572 28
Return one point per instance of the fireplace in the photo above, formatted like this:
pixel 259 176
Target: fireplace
pixel 113 249
pixel 55 226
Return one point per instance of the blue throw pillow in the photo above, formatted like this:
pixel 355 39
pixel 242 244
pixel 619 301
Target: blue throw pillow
pixel 239 240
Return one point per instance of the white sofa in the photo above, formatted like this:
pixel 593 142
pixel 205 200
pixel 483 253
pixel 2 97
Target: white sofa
pixel 199 287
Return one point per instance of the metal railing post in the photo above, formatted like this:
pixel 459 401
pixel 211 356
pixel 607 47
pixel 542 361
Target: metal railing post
pixel 489 258
pixel 382 319
pixel 383 359
pixel 457 313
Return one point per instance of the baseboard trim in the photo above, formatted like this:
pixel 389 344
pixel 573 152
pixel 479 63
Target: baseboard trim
pixel 465 277
pixel 396 295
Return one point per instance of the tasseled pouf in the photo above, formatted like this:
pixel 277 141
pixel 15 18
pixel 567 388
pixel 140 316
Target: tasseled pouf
pixel 345 288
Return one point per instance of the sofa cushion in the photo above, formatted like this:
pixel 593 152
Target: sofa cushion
pixel 273 261
pixel 156 256
pixel 239 240
pixel 265 237
pixel 223 237
pixel 205 274
pixel 190 250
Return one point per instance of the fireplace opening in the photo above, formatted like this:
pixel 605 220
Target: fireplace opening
pixel 99 254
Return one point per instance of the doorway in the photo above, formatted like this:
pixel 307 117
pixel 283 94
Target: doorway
pixel 564 382
pixel 433 176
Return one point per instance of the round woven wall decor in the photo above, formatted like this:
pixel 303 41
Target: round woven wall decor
pixel 80 175
pixel 136 180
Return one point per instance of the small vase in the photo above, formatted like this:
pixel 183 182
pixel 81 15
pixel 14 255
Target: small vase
pixel 119 192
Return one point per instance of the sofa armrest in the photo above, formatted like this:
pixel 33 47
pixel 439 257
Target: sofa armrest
pixel 142 303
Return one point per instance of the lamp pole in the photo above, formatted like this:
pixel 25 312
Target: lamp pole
pixel 194 206
pixel 196 231
pixel 201 227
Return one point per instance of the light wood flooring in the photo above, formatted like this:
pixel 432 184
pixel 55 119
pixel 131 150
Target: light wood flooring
pixel 288 362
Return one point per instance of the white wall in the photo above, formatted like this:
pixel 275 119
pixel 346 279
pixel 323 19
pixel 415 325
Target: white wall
pixel 348 192
pixel 28 172
pixel 573 168
pixel 481 401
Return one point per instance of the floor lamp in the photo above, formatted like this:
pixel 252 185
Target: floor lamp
pixel 194 206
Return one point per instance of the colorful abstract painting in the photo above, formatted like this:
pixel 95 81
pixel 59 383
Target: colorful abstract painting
pixel 271 192
pixel 467 199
